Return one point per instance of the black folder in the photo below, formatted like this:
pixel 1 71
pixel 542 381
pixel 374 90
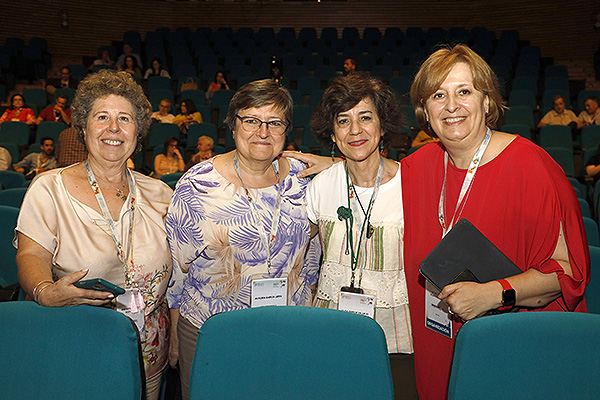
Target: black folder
pixel 466 252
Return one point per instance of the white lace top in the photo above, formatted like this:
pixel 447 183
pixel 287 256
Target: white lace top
pixel 380 269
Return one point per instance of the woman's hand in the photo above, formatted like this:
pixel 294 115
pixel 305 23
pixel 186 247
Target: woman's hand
pixel 314 163
pixel 469 300
pixel 63 293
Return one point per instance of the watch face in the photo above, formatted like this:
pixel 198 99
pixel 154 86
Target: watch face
pixel 509 298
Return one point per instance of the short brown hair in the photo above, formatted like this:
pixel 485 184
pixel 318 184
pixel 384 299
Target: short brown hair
pixel 102 84
pixel 261 93
pixel 435 70
pixel 344 93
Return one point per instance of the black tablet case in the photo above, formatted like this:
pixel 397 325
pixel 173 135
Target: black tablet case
pixel 466 248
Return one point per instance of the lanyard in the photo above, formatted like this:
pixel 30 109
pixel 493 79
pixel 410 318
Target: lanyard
pixel 266 241
pixel 125 255
pixel 355 254
pixel 465 190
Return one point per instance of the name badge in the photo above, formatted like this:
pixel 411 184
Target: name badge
pixel 269 292
pixel 437 317
pixel 357 303
pixel 131 303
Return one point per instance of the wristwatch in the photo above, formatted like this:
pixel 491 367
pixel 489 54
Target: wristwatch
pixel 509 296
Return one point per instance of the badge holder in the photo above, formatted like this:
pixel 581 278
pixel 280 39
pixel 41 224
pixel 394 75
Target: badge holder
pixel 131 303
pixel 269 291
pixel 437 315
pixel 357 301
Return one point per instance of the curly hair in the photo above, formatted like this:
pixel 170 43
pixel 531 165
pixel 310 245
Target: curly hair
pixel 346 92
pixel 102 84
pixel 435 70
pixel 261 93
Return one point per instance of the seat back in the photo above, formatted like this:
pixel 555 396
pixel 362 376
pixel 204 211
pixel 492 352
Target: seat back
pixel 591 231
pixel 11 179
pixel 556 136
pixel 8 266
pixel 161 132
pixel 564 158
pixel 592 291
pixel 516 356
pixel 280 352
pixel 12 197
pixel 67 352
pixel 16 132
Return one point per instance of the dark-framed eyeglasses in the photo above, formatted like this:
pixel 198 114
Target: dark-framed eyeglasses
pixel 253 124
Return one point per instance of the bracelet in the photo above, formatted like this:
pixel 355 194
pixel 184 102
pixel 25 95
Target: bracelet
pixel 38 285
pixel 40 292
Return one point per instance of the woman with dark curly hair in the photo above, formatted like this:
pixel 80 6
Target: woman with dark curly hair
pixel 356 206
pixel 18 111
pixel 98 219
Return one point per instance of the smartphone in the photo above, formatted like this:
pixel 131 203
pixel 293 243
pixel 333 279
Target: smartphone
pixel 100 285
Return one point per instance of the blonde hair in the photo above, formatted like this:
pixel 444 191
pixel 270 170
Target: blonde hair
pixel 436 68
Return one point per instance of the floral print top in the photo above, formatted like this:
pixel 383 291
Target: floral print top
pixel 216 247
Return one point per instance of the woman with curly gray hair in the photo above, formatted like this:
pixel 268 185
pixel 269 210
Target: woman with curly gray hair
pixel 98 219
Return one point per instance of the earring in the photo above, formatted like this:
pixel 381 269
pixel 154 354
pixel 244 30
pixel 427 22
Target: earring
pixel 333 152
pixel 380 146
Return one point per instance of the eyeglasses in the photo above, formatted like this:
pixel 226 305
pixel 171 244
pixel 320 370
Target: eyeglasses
pixel 253 124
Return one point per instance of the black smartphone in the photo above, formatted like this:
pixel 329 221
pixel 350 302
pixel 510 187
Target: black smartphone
pixel 100 285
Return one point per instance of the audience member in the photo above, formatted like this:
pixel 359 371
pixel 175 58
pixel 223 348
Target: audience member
pixel 592 167
pixel 65 81
pixel 131 66
pixel 422 139
pixel 591 114
pixel 69 149
pixel 560 116
pixel 60 112
pixel 156 69
pixel 128 51
pixel 36 163
pixel 163 114
pixel 18 111
pixel 5 159
pixel 219 83
pixel 189 115
pixel 205 146
pixel 103 61
pixel 292 146
pixel 350 65
pixel 170 160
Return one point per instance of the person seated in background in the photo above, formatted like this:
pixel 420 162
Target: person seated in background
pixel 350 65
pixel 170 160
pixel 60 112
pixel 292 146
pixel 69 150
pixel 128 51
pixel 592 168
pixel 163 114
pixel 422 139
pixel 205 146
pixel 131 66
pixel 5 159
pixel 36 163
pixel 156 69
pixel 65 81
pixel 102 61
pixel 560 116
pixel 189 115
pixel 18 111
pixel 591 114
pixel 219 83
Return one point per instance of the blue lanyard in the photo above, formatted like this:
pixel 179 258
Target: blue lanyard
pixel 125 255
pixel 267 241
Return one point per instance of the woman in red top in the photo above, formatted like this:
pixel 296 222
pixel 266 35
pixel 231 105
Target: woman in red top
pixel 509 188
pixel 18 111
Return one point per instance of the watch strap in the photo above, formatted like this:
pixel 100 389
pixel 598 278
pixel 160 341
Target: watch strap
pixel 505 286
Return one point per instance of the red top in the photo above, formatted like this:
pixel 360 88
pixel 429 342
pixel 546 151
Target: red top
pixel 23 115
pixel 518 201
